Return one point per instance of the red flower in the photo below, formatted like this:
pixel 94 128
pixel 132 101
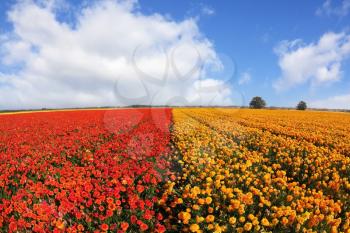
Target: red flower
pixel 140 188
pixel 12 227
pixel 101 208
pixel 159 217
pixel 160 228
pixel 133 219
pixel 147 215
pixel 81 163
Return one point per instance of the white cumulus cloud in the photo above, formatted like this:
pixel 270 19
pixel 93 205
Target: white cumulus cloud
pixel 244 78
pixel 208 10
pixel 316 63
pixel 329 9
pixel 111 54
pixel 335 102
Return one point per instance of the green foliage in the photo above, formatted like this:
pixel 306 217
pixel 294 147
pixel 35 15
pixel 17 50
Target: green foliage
pixel 257 102
pixel 301 106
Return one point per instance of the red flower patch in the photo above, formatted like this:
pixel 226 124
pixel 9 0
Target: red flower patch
pixel 92 170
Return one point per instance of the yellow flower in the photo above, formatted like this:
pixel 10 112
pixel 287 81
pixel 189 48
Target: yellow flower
pixel 194 227
pixel 251 217
pixel 210 218
pixel 232 220
pixel 242 219
pixel 265 222
pixel 208 200
pixel 60 224
pixel 199 219
pixel 184 216
pixel 275 221
pixel 180 201
pixel 217 160
pixel 218 229
pixel 248 226
pixel 334 229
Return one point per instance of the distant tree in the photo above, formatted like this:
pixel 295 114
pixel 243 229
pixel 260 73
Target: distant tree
pixel 301 106
pixel 257 102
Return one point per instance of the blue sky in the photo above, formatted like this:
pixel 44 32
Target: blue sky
pixel 248 32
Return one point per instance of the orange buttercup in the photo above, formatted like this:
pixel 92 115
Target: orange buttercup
pixel 263 170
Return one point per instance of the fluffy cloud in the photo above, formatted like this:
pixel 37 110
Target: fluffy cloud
pixel 244 78
pixel 317 63
pixel 210 91
pixel 207 10
pixel 110 54
pixel 335 102
pixel 328 9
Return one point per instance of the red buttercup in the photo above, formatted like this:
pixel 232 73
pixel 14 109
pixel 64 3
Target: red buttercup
pixel 68 171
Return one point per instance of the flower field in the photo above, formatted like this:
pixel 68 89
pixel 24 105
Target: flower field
pixel 82 171
pixel 260 171
pixel 179 170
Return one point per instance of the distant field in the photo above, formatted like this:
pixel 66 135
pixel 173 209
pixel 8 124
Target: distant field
pixel 175 170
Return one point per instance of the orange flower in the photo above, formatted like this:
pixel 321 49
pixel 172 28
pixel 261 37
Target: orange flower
pixel 60 224
pixel 111 206
pixel 210 218
pixel 109 200
pixel 143 227
pixel 284 221
pixel 104 227
pixel 80 227
pixel 124 226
